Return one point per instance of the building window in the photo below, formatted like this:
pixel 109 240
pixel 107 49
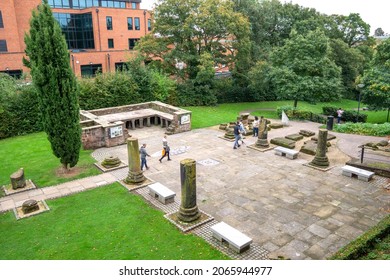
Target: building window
pixel 1 21
pixel 132 43
pixel 137 23
pixel 17 74
pixel 90 70
pixel 133 5
pixel 3 46
pixel 78 30
pixel 129 23
pixel 110 43
pixel 82 4
pixel 149 24
pixel 121 66
pixel 109 23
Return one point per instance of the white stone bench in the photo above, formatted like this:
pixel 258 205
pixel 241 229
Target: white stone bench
pixel 285 152
pixel 162 193
pixel 361 174
pixel 238 241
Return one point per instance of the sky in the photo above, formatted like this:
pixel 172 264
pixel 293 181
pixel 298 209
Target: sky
pixel 373 12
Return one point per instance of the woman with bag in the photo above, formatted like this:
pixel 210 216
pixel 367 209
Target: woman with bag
pixel 166 149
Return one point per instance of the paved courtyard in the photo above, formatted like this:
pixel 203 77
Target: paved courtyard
pixel 289 209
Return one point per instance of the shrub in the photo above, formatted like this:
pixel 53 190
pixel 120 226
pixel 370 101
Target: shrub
pixel 363 244
pixel 297 114
pixel 364 128
pixel 19 111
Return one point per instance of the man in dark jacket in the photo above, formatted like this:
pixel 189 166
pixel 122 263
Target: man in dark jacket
pixel 143 155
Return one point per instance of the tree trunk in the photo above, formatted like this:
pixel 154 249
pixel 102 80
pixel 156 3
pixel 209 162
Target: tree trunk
pixel 65 168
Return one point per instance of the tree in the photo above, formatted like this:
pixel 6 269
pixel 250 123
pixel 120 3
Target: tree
pixel 56 84
pixel 271 23
pixel 351 61
pixel 376 80
pixel 302 69
pixel 351 29
pixel 379 32
pixel 184 30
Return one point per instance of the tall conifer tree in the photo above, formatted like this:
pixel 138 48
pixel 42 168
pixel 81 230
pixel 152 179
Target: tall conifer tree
pixel 56 83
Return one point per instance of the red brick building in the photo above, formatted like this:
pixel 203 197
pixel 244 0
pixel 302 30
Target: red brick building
pixel 100 34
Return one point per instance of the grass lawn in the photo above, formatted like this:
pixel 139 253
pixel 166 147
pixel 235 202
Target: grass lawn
pixel 107 223
pixel 33 153
pixel 209 116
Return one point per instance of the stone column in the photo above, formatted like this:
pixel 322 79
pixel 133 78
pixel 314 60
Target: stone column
pixel 133 124
pixel 148 122
pixel 17 179
pixel 135 174
pixel 262 138
pixel 320 158
pixel 141 122
pixel 188 211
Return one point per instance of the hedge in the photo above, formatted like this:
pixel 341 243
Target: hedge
pixel 348 116
pixel 364 243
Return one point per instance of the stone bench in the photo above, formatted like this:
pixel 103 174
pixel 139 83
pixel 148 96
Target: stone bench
pixel 162 193
pixel 285 152
pixel 361 174
pixel 238 241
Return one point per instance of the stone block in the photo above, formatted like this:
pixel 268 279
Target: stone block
pixel 294 137
pixel 284 142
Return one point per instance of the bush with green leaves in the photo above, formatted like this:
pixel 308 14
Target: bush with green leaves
pixel 108 90
pixel 364 243
pixel 348 115
pixel 19 112
pixel 364 128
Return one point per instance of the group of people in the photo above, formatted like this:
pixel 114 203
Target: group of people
pixel 165 153
pixel 239 131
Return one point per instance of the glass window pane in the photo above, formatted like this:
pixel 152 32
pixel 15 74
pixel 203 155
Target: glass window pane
pixel 137 23
pixel 130 23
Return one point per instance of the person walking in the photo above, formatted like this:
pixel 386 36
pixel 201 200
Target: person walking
pixel 236 135
pixel 143 154
pixel 242 132
pixel 339 115
pixel 166 149
pixel 256 127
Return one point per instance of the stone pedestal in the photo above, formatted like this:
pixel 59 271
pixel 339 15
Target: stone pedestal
pixel 262 139
pixel 111 162
pixel 320 159
pixel 29 206
pixel 17 179
pixel 135 175
pixel 188 211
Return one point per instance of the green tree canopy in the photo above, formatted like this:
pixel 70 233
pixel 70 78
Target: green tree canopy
pixel 56 84
pixel 186 29
pixel 302 69
pixel 351 29
pixel 376 80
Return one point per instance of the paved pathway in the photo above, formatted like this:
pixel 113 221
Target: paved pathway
pixel 287 208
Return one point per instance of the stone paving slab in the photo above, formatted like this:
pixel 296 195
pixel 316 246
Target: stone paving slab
pixel 288 209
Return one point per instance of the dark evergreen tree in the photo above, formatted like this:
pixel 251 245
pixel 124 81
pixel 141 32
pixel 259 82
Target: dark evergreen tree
pixel 56 84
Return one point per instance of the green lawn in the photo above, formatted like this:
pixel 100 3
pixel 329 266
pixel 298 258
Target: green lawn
pixel 107 223
pixel 209 116
pixel 33 153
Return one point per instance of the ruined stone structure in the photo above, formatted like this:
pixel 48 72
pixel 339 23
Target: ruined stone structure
pixel 135 175
pixel 320 159
pixel 17 179
pixel 188 211
pixel 109 126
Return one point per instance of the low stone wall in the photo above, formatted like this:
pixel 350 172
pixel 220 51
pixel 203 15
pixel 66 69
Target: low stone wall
pixel 96 132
